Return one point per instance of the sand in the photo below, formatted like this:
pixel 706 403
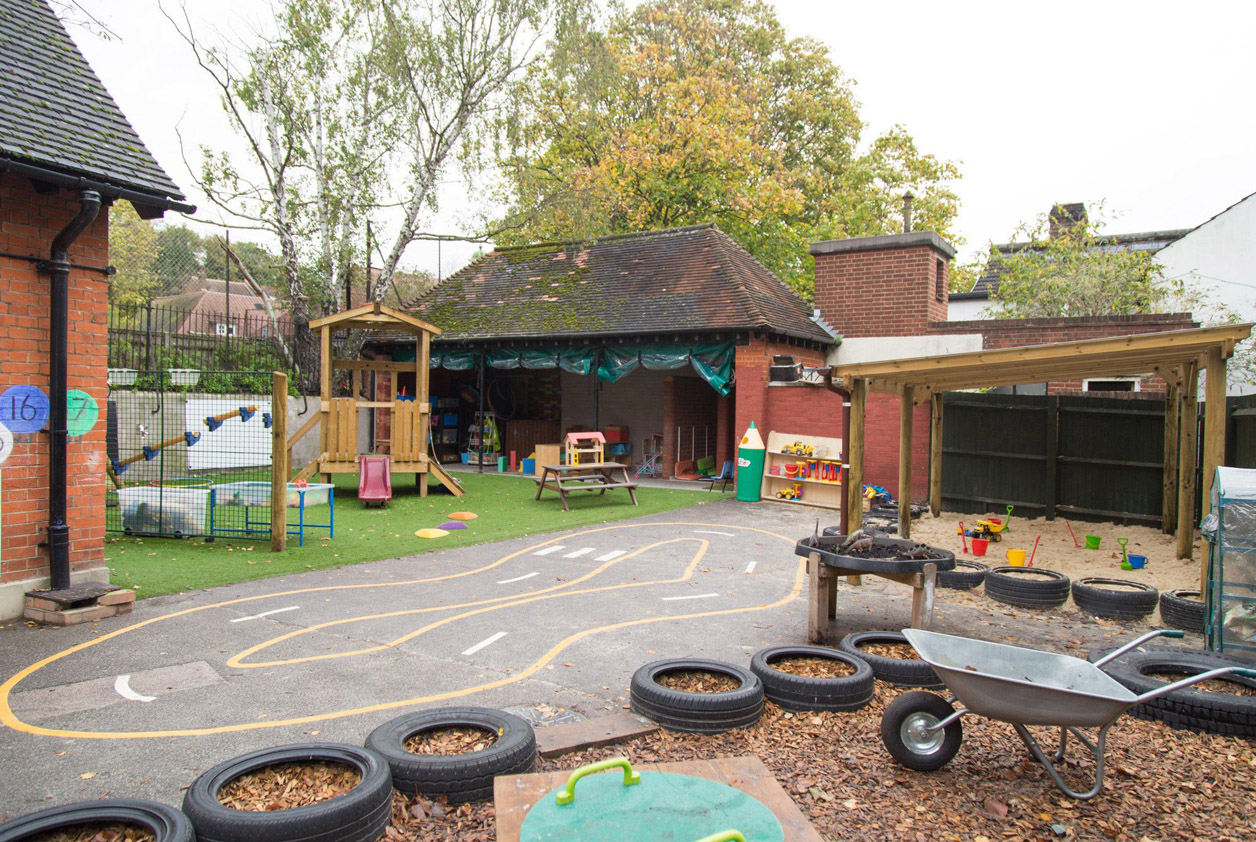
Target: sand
pixel 1056 550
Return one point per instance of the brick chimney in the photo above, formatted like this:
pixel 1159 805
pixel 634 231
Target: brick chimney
pixel 1064 218
pixel 891 285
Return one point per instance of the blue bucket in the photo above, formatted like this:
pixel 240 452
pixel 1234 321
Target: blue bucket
pixel 1136 561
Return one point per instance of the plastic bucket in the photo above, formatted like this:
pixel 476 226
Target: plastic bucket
pixel 1137 562
pixel 979 546
pixel 1092 542
pixel 1016 558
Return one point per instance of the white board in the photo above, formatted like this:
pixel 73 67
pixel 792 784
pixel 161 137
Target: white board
pixel 235 444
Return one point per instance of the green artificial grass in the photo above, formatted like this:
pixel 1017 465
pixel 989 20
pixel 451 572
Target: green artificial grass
pixel 506 507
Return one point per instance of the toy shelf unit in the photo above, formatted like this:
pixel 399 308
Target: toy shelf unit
pixel 445 429
pixel 803 469
pixel 483 440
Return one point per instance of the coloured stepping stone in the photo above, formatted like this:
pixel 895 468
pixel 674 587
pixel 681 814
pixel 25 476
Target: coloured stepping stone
pixel 431 533
pixel 463 516
pixel 452 524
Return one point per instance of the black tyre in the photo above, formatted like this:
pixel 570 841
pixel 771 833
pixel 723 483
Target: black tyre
pixel 1183 609
pixel 461 777
pixel 1027 587
pixel 1115 599
pixel 164 822
pixel 1228 714
pixel 906 731
pixel 797 692
pixel 905 672
pixel 966 575
pixel 702 713
pixel 359 815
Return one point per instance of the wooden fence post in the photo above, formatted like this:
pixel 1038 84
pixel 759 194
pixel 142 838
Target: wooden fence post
pixel 279 462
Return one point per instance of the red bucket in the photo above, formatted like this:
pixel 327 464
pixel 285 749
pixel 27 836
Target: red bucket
pixel 979 546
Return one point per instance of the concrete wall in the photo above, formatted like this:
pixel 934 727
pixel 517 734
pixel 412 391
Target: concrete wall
pixel 28 223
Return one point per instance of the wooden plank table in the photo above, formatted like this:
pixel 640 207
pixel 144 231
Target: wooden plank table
pixel 514 795
pixel 593 476
pixel 822 594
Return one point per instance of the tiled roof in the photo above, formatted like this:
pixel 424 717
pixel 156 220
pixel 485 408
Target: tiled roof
pixel 1150 241
pixel 676 281
pixel 55 113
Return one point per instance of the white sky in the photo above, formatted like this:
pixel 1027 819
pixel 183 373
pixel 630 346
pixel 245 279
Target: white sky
pixel 1146 106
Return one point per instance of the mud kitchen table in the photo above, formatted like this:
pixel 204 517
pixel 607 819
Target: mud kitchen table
pixel 594 476
pixel 825 564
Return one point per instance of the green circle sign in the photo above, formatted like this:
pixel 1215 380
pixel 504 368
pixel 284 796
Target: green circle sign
pixel 82 412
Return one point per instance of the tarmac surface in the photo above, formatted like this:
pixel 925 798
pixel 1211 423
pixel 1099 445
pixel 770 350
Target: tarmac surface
pixel 551 627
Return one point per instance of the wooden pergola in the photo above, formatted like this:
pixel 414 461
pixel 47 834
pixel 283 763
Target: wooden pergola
pixel 1177 356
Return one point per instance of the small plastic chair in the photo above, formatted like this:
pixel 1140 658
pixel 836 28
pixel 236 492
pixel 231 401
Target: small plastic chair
pixel 724 477
pixel 374 479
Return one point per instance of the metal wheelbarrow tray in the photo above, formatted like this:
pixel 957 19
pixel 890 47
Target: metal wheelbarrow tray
pixel 1019 686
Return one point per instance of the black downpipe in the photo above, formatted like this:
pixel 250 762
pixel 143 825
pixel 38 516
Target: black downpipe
pixel 59 338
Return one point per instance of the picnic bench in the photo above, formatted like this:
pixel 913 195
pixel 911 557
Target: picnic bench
pixel 591 476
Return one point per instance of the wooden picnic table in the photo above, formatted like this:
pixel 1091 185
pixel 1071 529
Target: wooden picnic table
pixel 592 476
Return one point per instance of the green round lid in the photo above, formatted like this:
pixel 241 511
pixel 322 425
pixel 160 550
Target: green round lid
pixel 650 807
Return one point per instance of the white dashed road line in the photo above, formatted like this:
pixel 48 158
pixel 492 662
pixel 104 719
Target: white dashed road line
pixel 695 596
pixel 611 555
pixel 122 684
pixel 519 578
pixel 713 532
pixel 750 566
pixel 488 641
pixel 266 614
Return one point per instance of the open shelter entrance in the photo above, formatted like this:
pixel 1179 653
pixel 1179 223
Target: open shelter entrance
pixel 1176 356
pixel 410 414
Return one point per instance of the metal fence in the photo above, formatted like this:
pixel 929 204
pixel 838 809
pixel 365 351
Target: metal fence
pixel 186 462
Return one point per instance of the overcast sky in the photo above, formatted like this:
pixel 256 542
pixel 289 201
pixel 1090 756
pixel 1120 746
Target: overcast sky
pixel 1146 106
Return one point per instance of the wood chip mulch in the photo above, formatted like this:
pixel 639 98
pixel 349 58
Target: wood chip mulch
pixel 811 667
pixel 96 832
pixel 452 740
pixel 903 651
pixel 1160 785
pixel 1212 685
pixel 698 681
pixel 284 786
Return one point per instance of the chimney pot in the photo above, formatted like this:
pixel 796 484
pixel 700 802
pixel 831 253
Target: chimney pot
pixel 907 200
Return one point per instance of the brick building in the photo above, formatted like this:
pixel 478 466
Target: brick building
pixel 66 153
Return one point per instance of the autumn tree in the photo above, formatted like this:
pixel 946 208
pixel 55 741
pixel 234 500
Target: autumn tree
pixel 350 113
pixel 680 112
pixel 133 253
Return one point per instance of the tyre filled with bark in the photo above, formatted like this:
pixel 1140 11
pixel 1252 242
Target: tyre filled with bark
pixel 701 713
pixel 904 672
pixel 1027 587
pixel 798 692
pixel 1115 599
pixel 164 822
pixel 1183 609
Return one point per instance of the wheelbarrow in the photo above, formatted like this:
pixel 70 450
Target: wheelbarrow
pixel 1019 686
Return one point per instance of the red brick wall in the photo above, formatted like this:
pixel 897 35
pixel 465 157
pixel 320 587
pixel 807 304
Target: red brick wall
pixel 881 446
pixel 802 408
pixel 887 292
pixel 28 224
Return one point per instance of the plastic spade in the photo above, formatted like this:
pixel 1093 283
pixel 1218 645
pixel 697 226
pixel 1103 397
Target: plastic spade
pixel 963 537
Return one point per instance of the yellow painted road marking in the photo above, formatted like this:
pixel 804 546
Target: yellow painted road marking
pixel 8 718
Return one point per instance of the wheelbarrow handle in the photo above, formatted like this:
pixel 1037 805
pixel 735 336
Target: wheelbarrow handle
pixel 1139 641
pixel 567 794
pixel 1195 679
pixel 724 836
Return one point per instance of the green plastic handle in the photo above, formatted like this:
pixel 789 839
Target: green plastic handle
pixel 1246 673
pixel 724 836
pixel 1172 633
pixel 568 793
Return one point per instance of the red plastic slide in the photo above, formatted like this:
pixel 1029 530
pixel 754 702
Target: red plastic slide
pixel 374 479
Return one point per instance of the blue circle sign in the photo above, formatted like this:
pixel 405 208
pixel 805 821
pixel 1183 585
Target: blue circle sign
pixel 23 409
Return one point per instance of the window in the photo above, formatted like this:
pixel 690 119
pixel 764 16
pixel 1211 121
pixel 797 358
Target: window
pixel 224 330
pixel 1113 384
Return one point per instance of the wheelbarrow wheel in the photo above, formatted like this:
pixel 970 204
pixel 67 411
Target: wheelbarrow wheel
pixel 906 731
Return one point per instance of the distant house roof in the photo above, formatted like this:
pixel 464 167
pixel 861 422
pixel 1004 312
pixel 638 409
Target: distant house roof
pixel 659 283
pixel 1061 218
pixel 55 114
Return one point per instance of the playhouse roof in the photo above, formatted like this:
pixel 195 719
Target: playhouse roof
pixel 679 281
pixel 375 316
pixel 55 113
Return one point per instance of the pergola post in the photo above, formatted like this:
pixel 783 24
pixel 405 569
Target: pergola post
pixel 935 454
pixel 1214 422
pixel 855 449
pixel 905 417
pixel 1186 459
pixel 324 388
pixel 1172 410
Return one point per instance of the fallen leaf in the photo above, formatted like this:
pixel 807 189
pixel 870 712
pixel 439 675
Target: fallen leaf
pixel 87 776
